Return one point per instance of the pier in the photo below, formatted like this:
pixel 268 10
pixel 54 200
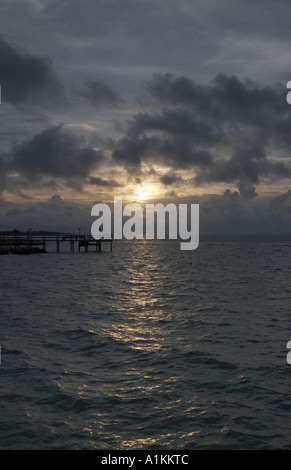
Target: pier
pixel 22 243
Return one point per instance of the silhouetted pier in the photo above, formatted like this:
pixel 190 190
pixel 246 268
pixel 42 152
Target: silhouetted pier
pixel 31 243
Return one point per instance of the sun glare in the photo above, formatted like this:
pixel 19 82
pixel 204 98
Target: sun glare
pixel 142 193
pixel 147 191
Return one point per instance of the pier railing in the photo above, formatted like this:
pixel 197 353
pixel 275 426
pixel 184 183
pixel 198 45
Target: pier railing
pixel 33 240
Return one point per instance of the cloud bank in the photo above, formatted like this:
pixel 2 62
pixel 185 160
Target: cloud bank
pixel 228 131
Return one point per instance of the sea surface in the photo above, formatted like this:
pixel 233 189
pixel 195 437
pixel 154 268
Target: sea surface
pixel 148 346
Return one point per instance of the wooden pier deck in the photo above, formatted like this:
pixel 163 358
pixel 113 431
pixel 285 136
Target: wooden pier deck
pixel 31 243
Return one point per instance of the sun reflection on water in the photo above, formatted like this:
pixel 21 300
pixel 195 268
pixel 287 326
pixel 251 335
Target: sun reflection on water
pixel 133 341
pixel 142 308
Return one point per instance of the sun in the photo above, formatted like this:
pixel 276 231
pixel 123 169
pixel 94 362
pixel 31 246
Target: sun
pixel 143 192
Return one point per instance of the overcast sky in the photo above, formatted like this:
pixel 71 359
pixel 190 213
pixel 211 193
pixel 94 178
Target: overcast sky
pixel 152 100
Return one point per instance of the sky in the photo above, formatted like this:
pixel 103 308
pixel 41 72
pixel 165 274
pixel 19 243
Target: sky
pixel 154 101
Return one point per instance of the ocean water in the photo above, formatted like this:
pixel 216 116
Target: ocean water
pixel 148 347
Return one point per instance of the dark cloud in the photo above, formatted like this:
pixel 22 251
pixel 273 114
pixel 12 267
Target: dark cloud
pixel 246 167
pixel 56 154
pixel 225 98
pixel 278 201
pixel 247 191
pixel 224 131
pixel 178 121
pixel 96 180
pixel 168 89
pixel 26 77
pixel 175 151
pixel 30 79
pixel 169 179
